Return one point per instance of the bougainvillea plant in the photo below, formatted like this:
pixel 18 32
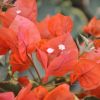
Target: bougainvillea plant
pixel 41 58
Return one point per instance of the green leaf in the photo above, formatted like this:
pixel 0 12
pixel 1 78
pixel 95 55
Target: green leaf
pixel 3 73
pixel 38 65
pixel 92 7
pixel 76 88
pixel 47 7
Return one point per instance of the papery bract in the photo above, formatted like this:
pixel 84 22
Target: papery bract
pixel 61 92
pixel 21 38
pixel 41 93
pixel 97 43
pixel 17 63
pixel 92 55
pixel 7 40
pixel 60 24
pixel 7 96
pixel 26 8
pixel 28 35
pixel 36 94
pixel 95 92
pixel 87 72
pixel 23 80
pixel 61 60
pixel 93 27
pixel 55 26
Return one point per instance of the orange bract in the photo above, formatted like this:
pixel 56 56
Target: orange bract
pixel 36 94
pixel 92 55
pixel 93 27
pixel 61 60
pixel 23 80
pixel 60 93
pixel 17 63
pixel 87 72
pixel 28 35
pixel 97 43
pixel 21 38
pixel 26 8
pixel 7 96
pixel 55 26
pixel 22 35
pixel 7 40
pixel 55 53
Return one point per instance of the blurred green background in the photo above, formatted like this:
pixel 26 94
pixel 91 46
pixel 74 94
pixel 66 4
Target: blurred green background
pixel 81 11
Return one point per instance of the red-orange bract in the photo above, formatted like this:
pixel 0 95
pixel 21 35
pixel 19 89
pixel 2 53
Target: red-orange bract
pixel 55 25
pixel 92 55
pixel 28 37
pixel 54 51
pixel 19 36
pixel 26 8
pixel 21 39
pixel 7 96
pixel 6 38
pixel 95 92
pixel 97 43
pixel 23 80
pixel 40 93
pixel 60 93
pixel 59 62
pixel 36 94
pixel 93 27
pixel 87 72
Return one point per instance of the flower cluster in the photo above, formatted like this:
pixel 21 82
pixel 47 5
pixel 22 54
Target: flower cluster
pixel 60 56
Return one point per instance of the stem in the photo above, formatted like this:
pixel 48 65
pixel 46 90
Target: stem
pixel 50 81
pixel 32 75
pixel 35 68
pixel 34 82
pixel 37 72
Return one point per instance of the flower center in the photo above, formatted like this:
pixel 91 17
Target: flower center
pixel 61 47
pixel 50 50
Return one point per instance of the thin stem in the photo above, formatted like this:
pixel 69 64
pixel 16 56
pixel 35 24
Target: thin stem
pixel 35 68
pixel 37 72
pixel 32 75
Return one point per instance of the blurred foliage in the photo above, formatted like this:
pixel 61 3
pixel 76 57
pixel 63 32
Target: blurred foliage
pixel 92 7
pixel 10 86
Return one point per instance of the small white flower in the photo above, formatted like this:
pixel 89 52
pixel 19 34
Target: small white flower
pixel 61 46
pixel 50 50
pixel 18 11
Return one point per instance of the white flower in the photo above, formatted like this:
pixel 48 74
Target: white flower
pixel 61 46
pixel 50 50
pixel 18 11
